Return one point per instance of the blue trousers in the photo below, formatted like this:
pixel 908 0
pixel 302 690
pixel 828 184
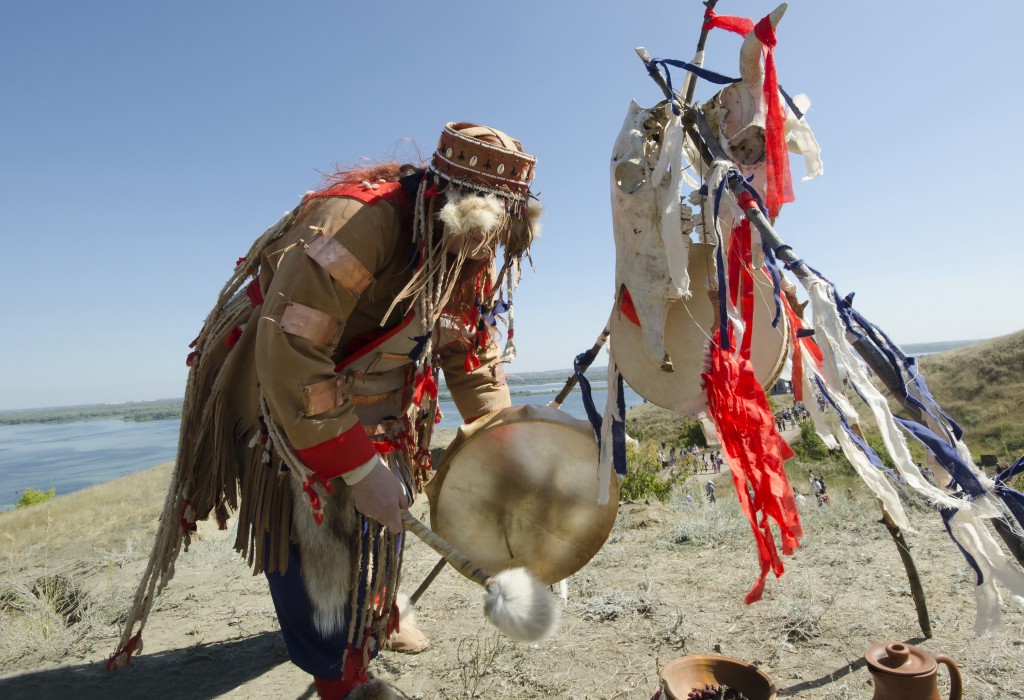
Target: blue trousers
pixel 314 653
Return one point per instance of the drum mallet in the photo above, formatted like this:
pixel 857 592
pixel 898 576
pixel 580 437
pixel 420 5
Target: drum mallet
pixel 516 602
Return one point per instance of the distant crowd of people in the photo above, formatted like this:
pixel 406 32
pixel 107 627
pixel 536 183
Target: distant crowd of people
pixel 707 461
pixel 791 416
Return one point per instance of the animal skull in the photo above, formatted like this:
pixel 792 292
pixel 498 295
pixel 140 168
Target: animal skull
pixel 651 247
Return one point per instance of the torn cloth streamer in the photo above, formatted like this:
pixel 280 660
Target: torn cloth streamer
pixel 756 454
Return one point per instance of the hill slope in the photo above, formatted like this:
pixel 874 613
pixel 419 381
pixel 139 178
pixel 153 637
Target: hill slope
pixel 982 387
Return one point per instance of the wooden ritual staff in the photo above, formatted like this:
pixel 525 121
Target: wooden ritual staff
pixel 699 133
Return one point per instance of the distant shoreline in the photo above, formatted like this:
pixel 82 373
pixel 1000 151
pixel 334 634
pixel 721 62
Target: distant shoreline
pixel 168 409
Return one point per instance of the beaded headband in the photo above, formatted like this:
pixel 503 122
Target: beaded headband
pixel 464 159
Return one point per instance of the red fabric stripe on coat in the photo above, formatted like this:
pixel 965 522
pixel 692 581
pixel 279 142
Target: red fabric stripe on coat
pixel 340 454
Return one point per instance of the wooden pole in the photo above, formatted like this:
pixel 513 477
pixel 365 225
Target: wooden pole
pixel 701 134
pixel 916 589
pixel 440 545
pixel 584 366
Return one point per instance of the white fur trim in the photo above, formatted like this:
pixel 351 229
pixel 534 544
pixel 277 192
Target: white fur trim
pixel 464 213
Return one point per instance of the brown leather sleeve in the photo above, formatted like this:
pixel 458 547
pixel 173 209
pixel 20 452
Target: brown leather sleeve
pixel 289 365
pixel 478 392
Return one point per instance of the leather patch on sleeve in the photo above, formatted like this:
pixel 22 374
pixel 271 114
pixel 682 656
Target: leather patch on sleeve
pixel 340 263
pixel 322 397
pixel 311 324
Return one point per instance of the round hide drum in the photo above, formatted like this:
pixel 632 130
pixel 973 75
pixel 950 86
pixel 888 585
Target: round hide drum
pixel 689 326
pixel 519 487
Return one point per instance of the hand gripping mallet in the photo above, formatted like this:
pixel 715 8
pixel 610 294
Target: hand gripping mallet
pixel 518 604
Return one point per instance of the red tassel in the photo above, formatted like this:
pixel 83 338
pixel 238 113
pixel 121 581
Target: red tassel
pixel 780 182
pixel 472 361
pixel 424 387
pixel 232 337
pixel 221 513
pixel 383 447
pixel 254 293
pixel 123 656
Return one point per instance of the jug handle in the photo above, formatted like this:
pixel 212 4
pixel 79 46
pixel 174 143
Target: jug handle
pixel 955 683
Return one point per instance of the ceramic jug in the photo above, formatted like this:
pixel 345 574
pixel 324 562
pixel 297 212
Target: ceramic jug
pixel 906 672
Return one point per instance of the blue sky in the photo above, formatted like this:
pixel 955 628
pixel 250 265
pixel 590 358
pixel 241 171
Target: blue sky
pixel 146 145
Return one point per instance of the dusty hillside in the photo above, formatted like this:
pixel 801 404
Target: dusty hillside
pixel 982 387
pixel 668 582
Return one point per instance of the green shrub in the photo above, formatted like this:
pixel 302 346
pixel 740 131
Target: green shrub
pixel 31 497
pixel 648 422
pixel 809 447
pixel 645 477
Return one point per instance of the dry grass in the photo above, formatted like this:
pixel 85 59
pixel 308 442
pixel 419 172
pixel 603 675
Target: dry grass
pixel 648 596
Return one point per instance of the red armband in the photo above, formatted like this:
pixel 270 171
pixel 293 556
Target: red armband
pixel 340 454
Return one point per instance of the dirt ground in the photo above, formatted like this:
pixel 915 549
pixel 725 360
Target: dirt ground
pixel 669 582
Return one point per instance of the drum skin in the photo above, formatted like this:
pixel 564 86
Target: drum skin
pixel 519 487
pixel 689 326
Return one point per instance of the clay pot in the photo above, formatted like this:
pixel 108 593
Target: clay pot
pixel 906 672
pixel 680 676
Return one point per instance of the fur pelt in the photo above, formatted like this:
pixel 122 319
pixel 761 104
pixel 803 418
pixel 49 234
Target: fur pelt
pixel 464 213
pixel 327 554
pixel 376 689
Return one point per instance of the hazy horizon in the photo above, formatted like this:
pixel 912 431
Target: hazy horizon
pixel 915 349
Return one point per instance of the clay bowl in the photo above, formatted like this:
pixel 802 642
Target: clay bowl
pixel 680 676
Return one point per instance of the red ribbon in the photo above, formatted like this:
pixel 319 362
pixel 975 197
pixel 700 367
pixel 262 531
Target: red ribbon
pixel 730 23
pixel 806 342
pixel 425 386
pixel 756 455
pixel 780 182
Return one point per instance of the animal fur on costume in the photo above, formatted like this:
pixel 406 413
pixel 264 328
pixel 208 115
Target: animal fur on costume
pixel 326 554
pixel 465 213
pixel 374 690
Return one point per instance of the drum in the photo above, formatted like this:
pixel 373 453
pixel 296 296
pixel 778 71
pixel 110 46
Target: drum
pixel 689 326
pixel 519 487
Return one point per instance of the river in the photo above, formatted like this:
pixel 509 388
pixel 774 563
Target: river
pixel 72 456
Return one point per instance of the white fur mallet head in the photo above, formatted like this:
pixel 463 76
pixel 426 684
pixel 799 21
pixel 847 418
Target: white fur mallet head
pixel 520 606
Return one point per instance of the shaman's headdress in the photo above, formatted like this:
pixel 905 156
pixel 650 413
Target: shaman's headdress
pixel 474 197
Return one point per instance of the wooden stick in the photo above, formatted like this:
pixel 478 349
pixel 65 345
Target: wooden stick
pixel 916 589
pixel 584 366
pixel 461 564
pixel 691 82
pixel 441 563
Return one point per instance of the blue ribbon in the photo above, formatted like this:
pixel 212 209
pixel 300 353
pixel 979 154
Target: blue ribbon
pixel 619 432
pixel 1013 499
pixel 594 416
pixel 584 359
pixel 947 516
pixel 723 315
pixel 421 342
pixel 947 457
pixel 500 307
pixel 857 440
